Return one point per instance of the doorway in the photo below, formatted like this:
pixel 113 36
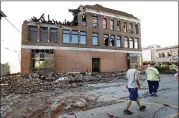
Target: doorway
pixel 95 64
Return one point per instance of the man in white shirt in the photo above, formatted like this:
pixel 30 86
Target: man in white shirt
pixel 133 86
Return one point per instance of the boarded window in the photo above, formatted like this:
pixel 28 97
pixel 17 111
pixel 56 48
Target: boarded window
pixel 126 42
pixel 74 39
pixel 106 39
pixel 82 37
pixel 95 38
pixel 53 35
pixel 43 34
pixel 66 36
pixel 33 33
pixel 118 41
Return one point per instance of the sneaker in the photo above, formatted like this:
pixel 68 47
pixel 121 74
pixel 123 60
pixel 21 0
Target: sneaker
pixel 151 95
pixel 127 112
pixel 155 95
pixel 142 108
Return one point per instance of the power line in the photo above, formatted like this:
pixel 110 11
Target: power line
pixel 11 24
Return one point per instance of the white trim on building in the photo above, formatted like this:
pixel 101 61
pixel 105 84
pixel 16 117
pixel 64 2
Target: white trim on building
pixel 76 48
pixel 112 15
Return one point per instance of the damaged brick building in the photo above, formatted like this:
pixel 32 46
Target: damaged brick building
pixel 98 39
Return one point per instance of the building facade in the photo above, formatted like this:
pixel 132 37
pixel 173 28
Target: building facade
pixel 149 53
pixel 167 55
pixel 98 39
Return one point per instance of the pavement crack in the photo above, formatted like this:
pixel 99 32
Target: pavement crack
pixel 158 111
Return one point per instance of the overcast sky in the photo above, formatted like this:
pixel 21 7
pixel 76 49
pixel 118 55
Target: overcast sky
pixel 159 20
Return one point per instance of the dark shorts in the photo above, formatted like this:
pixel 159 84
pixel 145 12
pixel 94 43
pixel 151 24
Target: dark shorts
pixel 133 94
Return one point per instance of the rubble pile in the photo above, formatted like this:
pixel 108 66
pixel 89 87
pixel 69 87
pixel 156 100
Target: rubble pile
pixel 31 83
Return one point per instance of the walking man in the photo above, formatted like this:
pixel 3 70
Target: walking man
pixel 133 86
pixel 153 79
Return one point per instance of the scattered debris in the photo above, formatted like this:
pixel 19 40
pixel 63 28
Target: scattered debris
pixel 32 83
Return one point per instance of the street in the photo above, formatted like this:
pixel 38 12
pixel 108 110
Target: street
pixel 165 105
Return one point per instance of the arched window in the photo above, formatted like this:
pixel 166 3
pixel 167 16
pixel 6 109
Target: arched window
pixel 104 23
pixel 125 27
pixel 136 29
pixel 119 26
pixel 112 24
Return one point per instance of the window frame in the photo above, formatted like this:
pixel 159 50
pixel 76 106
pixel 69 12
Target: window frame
pixel 96 37
pixel 110 41
pixel 131 40
pixel 47 32
pixel 65 33
pixel 106 36
pixel 136 40
pixel 56 35
pixel 112 24
pixel 119 26
pixel 74 34
pixel 104 23
pixel 125 27
pixel 131 28
pixel 136 29
pixel 93 23
pixel 116 39
pixel 36 31
pixel 126 39
pixel 83 35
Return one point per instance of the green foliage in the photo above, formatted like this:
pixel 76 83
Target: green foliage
pixel 163 69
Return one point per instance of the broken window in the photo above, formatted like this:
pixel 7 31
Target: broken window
pixel 136 29
pixel 125 27
pixel 106 39
pixel 95 38
pixel 94 21
pixel 169 54
pixel 43 34
pixel 42 60
pixel 119 26
pixel 118 41
pixel 112 24
pixel 66 36
pixel 104 23
pixel 83 19
pixel 136 43
pixel 82 37
pixel 53 35
pixel 74 39
pixel 126 42
pixel 112 38
pixel 33 33
pixel 131 28
pixel 131 43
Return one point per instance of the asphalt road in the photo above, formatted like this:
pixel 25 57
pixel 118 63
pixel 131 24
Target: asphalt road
pixel 165 105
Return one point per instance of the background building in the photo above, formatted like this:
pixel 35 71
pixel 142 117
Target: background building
pixel 149 53
pixel 167 55
pixel 98 39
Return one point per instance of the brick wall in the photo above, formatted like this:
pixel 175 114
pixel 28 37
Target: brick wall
pixel 25 60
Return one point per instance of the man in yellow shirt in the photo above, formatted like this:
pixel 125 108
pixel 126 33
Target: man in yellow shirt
pixel 173 68
pixel 153 79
